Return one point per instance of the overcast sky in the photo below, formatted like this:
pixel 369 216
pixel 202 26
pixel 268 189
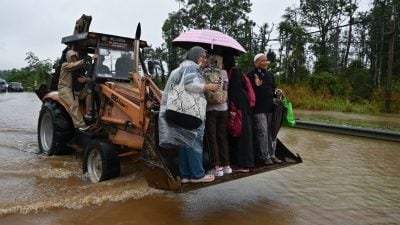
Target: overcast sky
pixel 39 25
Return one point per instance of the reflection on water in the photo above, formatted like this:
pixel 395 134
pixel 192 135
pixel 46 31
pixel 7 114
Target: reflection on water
pixel 343 180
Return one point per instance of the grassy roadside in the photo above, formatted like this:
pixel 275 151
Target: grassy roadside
pixel 302 97
pixel 379 125
pixel 325 108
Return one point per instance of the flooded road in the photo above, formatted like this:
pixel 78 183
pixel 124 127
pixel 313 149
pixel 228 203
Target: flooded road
pixel 343 180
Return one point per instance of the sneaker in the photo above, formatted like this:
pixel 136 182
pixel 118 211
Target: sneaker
pixel 84 128
pixel 227 170
pixel 218 172
pixel 268 162
pixel 289 160
pixel 242 170
pixel 207 178
pixel 276 160
pixel 185 180
pixel 88 117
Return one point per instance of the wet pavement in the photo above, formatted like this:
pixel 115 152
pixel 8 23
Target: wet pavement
pixel 343 180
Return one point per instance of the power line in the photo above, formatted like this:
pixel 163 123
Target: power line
pixel 333 28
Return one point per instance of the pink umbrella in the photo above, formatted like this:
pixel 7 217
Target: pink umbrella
pixel 211 40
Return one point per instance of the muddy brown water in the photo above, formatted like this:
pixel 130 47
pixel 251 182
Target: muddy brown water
pixel 343 180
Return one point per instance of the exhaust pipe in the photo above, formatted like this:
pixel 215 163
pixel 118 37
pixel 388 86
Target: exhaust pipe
pixel 137 48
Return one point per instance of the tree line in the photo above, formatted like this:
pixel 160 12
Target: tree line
pixel 327 47
pixel 33 74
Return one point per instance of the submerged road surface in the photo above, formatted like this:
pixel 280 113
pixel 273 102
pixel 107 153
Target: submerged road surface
pixel 343 180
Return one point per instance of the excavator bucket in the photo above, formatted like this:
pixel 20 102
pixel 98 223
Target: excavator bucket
pixel 160 166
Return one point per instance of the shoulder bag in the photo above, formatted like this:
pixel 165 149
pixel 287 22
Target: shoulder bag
pixel 185 109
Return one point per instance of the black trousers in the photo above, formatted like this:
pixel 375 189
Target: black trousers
pixel 217 136
pixel 241 148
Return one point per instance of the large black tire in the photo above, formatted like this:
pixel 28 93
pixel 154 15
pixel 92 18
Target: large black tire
pixel 101 161
pixel 55 129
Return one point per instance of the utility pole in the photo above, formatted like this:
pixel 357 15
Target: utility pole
pixel 378 68
pixel 388 91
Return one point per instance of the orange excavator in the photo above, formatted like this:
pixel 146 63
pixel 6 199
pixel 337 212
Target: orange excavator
pixel 123 117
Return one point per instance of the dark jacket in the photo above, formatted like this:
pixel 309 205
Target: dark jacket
pixel 237 90
pixel 265 92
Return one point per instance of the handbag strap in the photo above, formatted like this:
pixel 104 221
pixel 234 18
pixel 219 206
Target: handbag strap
pixel 182 77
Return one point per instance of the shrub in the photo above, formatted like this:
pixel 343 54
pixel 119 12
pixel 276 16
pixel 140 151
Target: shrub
pixel 326 82
pixel 360 81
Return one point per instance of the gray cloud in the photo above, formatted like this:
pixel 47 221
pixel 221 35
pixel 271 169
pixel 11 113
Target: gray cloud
pixel 38 26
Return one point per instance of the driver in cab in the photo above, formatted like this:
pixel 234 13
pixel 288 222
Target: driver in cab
pixel 65 87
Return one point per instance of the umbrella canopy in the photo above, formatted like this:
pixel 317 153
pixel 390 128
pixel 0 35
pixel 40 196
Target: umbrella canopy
pixel 211 40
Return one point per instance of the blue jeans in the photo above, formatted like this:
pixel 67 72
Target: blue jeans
pixel 190 163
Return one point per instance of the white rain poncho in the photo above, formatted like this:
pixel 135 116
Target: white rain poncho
pixel 173 136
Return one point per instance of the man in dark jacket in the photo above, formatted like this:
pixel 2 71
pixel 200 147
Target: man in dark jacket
pixel 265 89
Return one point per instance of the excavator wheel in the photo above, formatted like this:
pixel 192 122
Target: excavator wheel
pixel 101 161
pixel 55 129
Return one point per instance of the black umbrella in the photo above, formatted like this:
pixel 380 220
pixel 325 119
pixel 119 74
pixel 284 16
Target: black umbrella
pixel 277 118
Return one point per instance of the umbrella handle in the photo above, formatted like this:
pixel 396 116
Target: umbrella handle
pixel 282 95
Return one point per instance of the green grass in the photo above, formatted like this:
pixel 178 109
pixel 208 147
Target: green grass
pixel 302 97
pixel 354 123
pixel 334 104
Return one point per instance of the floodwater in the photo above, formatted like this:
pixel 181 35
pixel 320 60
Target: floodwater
pixel 343 180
